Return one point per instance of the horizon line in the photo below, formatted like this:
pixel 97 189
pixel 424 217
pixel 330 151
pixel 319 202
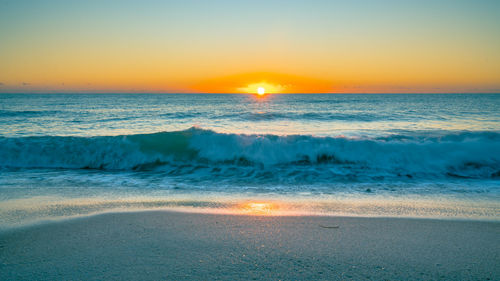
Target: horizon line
pixel 267 94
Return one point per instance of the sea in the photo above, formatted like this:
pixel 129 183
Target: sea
pixel 385 155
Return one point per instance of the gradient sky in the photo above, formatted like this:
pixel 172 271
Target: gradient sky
pixel 236 46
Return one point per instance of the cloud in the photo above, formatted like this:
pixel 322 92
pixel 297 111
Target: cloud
pixel 1 84
pixel 25 84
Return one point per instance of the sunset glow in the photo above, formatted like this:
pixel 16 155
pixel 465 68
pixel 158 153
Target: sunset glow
pixel 334 47
pixel 273 83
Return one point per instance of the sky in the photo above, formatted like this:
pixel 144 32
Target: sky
pixel 222 46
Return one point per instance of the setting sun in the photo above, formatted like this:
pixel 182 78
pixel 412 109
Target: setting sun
pixel 261 88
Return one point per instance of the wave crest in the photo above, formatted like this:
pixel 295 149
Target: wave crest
pixel 463 155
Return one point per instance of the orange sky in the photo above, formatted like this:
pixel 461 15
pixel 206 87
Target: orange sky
pixel 235 47
pixel 271 82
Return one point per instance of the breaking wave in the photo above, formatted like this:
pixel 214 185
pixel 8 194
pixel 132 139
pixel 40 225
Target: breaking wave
pixel 460 155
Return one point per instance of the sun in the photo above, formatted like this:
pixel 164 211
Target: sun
pixel 261 88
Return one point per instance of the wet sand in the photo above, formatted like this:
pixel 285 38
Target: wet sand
pixel 163 245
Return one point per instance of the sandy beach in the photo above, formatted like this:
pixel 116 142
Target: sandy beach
pixel 164 245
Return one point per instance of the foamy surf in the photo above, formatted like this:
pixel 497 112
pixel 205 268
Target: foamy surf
pixel 467 155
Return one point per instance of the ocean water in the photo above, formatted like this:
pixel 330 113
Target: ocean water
pixel 413 155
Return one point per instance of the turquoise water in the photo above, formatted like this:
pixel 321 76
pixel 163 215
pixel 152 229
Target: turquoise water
pixel 438 155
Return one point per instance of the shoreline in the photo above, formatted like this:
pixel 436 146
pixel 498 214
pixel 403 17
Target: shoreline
pixel 36 210
pixel 152 245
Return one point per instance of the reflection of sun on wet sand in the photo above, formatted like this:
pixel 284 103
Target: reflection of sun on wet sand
pixel 259 208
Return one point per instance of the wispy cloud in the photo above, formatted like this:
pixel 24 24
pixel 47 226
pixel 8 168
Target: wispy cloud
pixel 25 84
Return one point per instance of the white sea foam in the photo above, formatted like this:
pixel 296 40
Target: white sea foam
pixel 461 155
